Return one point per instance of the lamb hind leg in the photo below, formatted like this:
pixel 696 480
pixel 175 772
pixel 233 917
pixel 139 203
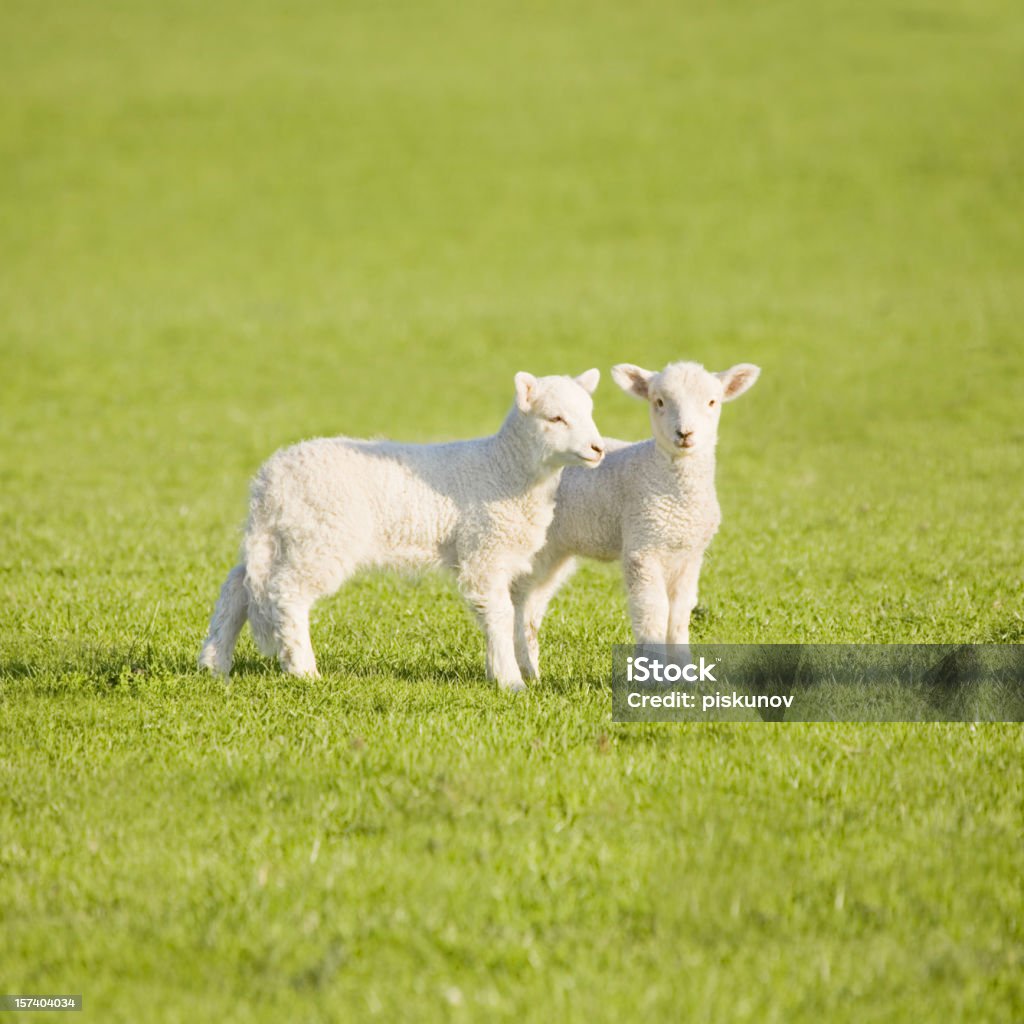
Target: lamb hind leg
pixel 279 611
pixel 284 607
pixel 295 648
pixel 226 623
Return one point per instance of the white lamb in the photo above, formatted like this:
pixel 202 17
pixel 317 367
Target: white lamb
pixel 650 504
pixel 324 509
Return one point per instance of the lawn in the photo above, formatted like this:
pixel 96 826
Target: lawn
pixel 225 227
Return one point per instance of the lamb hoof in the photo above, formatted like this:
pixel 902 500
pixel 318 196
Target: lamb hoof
pixel 303 672
pixel 210 661
pixel 516 686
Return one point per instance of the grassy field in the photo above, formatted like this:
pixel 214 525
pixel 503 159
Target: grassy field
pixel 225 227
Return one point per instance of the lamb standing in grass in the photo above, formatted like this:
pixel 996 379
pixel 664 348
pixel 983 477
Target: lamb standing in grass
pixel 324 509
pixel 651 504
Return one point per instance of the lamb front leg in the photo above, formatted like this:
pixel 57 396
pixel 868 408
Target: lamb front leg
pixel 682 598
pixel 496 614
pixel 526 631
pixel 499 626
pixel 648 598
pixel 531 597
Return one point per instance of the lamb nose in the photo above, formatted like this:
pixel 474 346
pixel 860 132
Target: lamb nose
pixel 598 449
pixel 684 434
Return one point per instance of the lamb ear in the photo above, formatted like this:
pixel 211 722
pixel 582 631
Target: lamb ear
pixel 738 379
pixel 634 380
pixel 526 389
pixel 589 380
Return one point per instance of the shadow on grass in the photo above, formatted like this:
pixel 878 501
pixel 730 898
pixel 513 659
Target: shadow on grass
pixel 112 667
pixel 453 667
pixel 459 667
pixel 963 682
pixel 104 665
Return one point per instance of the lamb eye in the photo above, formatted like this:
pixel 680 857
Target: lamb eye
pixel 712 402
pixel 660 404
pixel 557 419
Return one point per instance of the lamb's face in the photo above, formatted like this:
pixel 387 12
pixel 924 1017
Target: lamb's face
pixel 560 415
pixel 685 401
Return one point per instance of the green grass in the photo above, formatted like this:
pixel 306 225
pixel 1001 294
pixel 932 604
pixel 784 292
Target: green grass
pixel 224 227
